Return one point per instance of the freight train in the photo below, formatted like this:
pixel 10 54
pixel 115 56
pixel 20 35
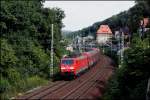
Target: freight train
pixel 75 65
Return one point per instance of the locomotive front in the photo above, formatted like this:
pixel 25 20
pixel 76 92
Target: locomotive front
pixel 67 66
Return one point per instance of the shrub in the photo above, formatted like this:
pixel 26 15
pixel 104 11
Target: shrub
pixel 4 88
pixel 35 81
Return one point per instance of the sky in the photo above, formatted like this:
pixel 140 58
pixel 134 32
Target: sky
pixel 81 14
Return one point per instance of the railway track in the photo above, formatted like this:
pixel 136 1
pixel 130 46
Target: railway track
pixel 44 90
pixel 75 89
pixel 72 91
pixel 66 88
pixel 97 89
pixel 86 88
pixel 82 88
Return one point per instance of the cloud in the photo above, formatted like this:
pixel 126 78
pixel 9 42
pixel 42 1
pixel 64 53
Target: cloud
pixel 80 14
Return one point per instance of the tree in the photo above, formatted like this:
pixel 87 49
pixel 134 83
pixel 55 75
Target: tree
pixel 25 44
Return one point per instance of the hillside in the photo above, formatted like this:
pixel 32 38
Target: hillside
pixel 128 18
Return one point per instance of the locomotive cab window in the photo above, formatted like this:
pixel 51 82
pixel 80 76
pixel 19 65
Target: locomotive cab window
pixel 67 62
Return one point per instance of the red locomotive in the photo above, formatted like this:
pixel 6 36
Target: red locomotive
pixel 75 65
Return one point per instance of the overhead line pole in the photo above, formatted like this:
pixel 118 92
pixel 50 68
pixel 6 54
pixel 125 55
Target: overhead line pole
pixel 148 90
pixel 122 48
pixel 52 52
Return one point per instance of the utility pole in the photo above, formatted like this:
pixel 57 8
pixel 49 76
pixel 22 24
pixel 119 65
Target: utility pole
pixel 52 52
pixel 148 90
pixel 122 47
pixel 111 45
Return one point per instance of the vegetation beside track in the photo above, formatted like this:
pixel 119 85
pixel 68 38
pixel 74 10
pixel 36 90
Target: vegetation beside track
pixel 131 79
pixel 25 28
pixel 25 49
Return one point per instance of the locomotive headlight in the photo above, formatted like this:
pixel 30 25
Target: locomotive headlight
pixel 72 68
pixel 63 68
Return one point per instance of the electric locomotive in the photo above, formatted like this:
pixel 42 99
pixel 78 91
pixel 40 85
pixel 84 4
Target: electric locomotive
pixel 76 65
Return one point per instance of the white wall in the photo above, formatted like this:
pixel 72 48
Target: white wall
pixel 102 38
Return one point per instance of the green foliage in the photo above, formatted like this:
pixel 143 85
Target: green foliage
pixel 139 92
pixel 35 81
pixel 113 90
pixel 8 58
pixel 111 53
pixel 25 44
pixel 13 76
pixel 4 86
pixel 130 81
pixel 41 59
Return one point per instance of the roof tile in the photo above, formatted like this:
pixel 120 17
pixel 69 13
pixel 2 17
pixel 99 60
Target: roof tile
pixel 104 29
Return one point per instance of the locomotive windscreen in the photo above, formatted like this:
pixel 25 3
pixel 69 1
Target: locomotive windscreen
pixel 67 62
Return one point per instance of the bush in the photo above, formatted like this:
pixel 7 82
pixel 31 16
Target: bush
pixel 139 92
pixel 35 81
pixel 130 81
pixel 25 44
pixel 4 88
pixel 7 56
pixel 4 85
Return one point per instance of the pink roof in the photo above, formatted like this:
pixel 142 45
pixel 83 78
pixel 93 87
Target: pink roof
pixel 145 22
pixel 104 29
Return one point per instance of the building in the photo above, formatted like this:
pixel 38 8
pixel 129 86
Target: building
pixel 103 34
pixel 69 48
pixel 144 22
pixel 144 26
